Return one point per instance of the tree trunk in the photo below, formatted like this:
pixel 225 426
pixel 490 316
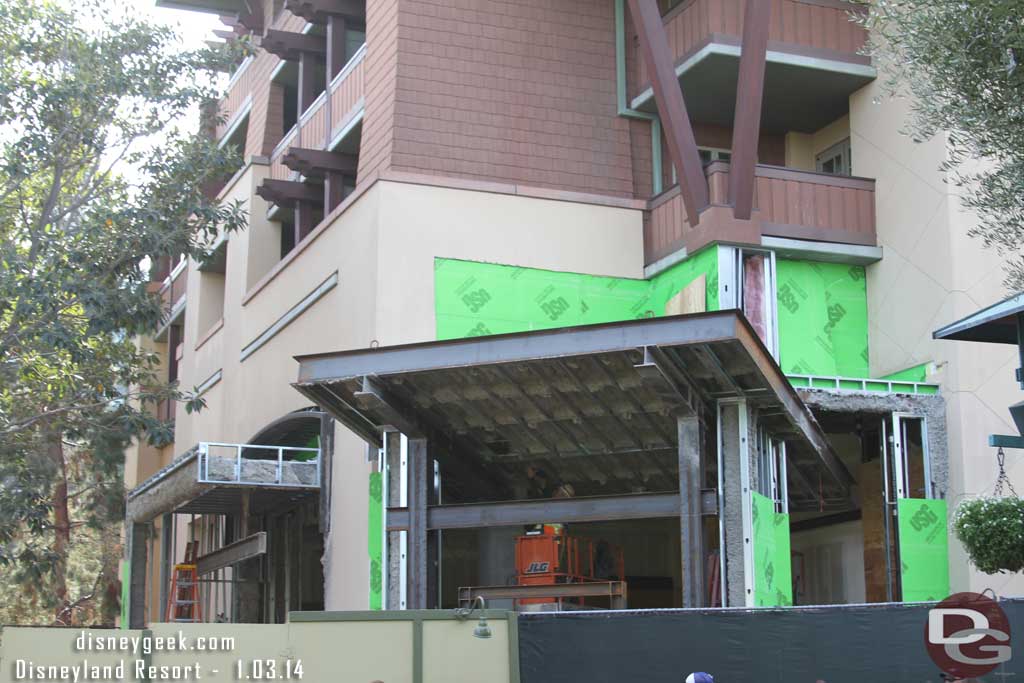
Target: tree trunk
pixel 61 525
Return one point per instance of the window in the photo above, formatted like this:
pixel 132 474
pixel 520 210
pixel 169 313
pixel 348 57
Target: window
pixel 709 154
pixel 835 160
pixel 667 6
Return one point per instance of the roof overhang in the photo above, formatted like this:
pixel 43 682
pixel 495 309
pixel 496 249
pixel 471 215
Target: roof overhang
pixel 581 400
pixel 804 90
pixel 996 324
pixel 224 7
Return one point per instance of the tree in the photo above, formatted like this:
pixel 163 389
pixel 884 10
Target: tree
pixel 100 173
pixel 961 63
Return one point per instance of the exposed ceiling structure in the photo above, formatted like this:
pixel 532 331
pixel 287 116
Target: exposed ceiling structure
pixel 595 406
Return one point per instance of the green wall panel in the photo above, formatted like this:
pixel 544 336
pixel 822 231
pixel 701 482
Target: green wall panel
pixel 918 373
pixel 375 533
pixel 822 307
pixel 474 299
pixel 924 549
pixel 823 318
pixel 773 572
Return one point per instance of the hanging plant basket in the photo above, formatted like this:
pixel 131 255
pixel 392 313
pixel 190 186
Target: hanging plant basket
pixel 992 531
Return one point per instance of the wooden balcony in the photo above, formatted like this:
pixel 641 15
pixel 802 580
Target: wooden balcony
pixel 787 203
pixel 172 291
pixel 336 109
pixel 813 61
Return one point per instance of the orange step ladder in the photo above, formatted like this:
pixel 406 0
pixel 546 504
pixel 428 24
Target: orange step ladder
pixel 183 599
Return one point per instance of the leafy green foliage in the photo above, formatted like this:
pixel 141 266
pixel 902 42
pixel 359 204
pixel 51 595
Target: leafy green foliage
pixel 992 532
pixel 961 63
pixel 99 175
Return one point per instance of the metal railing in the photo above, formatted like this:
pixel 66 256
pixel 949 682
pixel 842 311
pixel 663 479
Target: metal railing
pixel 291 468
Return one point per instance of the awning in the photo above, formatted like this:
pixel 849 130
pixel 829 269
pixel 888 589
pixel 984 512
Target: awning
pixel 996 324
pixel 594 404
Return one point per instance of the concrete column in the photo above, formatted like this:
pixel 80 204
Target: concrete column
pixel 418 476
pixel 690 441
pixel 735 500
pixel 137 559
pixel 393 498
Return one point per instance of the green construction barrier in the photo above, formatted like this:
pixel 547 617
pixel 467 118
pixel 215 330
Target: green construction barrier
pixel 375 532
pixel 474 299
pixel 823 318
pixel 924 549
pixel 773 573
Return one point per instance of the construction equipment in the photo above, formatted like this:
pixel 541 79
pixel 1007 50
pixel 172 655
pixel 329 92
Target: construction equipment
pixel 551 557
pixel 183 598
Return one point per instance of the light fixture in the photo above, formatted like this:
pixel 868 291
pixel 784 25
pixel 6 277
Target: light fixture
pixel 482 630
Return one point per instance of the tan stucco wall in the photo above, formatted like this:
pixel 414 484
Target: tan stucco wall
pixel 382 249
pixel 803 148
pixel 419 223
pixel 932 274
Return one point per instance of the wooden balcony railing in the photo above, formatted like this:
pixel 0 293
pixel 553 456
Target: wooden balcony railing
pixel 787 203
pixel 816 28
pixel 341 102
pixel 175 285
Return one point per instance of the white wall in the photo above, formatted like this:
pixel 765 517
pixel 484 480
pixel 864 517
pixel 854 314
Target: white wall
pixel 933 274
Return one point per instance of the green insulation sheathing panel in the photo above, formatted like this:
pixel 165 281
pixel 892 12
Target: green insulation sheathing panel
pixel 823 318
pixel 822 307
pixel 924 549
pixel 474 299
pixel 918 373
pixel 773 573
pixel 126 588
pixel 375 536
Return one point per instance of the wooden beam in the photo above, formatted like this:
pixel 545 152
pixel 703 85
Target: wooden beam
pixel 675 121
pixel 317 163
pixel 746 129
pixel 286 193
pixel 320 11
pixel 290 46
pixel 251 16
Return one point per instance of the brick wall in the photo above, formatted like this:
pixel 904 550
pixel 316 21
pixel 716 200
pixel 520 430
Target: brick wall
pixel 381 64
pixel 519 91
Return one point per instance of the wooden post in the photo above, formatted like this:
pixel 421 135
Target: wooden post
pixel 336 26
pixel 304 221
pixel 334 191
pixel 690 528
pixel 746 129
pixel 307 89
pixel 693 185
pixel 416 575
